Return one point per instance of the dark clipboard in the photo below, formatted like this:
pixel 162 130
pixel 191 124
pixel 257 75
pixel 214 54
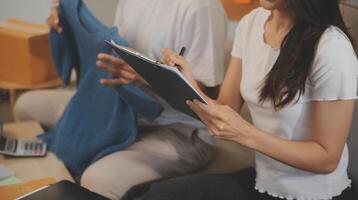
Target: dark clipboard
pixel 166 81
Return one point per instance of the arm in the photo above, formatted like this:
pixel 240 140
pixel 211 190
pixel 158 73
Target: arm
pixel 333 77
pixel 123 74
pixel 230 91
pixel 330 124
pixel 321 153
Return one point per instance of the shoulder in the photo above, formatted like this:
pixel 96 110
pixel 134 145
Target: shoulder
pixel 256 15
pixel 335 57
pixel 334 37
pixel 252 22
pixel 335 48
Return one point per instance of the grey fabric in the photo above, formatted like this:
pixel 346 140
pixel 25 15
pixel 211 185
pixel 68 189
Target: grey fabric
pixel 159 152
pixel 353 149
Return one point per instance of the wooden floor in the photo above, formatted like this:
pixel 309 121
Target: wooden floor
pixel 236 11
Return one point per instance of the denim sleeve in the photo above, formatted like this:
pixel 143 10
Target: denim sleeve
pixel 140 101
pixel 63 50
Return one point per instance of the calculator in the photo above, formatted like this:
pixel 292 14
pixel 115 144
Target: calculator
pixel 22 147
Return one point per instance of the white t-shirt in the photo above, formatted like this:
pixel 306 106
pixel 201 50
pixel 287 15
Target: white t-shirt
pixel 199 25
pixel 334 76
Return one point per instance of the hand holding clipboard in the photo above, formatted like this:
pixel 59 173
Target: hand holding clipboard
pixel 176 90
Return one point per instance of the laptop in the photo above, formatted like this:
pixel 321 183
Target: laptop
pixel 62 190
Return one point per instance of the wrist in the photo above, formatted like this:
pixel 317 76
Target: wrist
pixel 249 136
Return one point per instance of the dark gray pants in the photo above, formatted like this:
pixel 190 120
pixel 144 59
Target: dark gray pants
pixel 230 186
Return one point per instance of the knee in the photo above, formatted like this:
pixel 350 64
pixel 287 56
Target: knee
pixel 21 112
pixel 102 184
pixel 46 107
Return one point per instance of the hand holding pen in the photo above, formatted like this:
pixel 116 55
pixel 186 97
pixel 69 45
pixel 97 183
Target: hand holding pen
pixel 181 53
pixel 177 60
pixel 169 54
pixel 171 58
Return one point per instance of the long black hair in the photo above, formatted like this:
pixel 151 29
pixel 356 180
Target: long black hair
pixel 298 49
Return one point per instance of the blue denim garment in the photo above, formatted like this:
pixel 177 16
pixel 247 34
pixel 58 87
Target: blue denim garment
pixel 98 120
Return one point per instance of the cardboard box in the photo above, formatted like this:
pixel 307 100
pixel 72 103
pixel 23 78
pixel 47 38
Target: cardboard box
pixel 25 57
pixel 236 9
pixel 242 1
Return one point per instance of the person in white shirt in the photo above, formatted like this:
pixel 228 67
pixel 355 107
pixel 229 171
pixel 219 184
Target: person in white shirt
pixel 295 65
pixel 174 144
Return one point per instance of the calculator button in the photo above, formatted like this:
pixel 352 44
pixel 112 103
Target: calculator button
pixel 11 145
pixel 36 148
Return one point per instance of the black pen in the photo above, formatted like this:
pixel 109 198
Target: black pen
pixel 181 53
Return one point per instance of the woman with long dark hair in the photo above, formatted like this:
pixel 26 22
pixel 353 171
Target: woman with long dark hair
pixel 295 65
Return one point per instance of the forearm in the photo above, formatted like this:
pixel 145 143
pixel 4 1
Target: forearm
pixel 230 92
pixel 235 101
pixel 305 155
